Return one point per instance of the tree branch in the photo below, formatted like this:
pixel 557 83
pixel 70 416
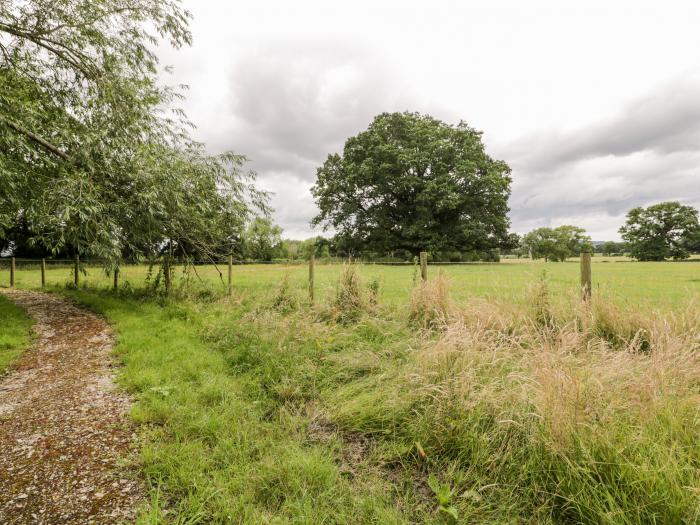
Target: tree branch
pixel 35 138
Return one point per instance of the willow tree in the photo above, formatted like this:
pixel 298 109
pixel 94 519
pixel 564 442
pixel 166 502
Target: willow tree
pixel 94 155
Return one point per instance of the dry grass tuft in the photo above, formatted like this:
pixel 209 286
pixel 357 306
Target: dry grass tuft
pixel 430 307
pixel 571 379
pixel 350 301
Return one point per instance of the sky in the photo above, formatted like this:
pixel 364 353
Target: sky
pixel 595 105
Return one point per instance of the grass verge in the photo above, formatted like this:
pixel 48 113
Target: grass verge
pixel 15 333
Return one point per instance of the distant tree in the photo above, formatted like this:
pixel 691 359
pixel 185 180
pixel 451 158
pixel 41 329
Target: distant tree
pixel 608 248
pixel 511 244
pixel 262 240
pixel 612 248
pixel 556 244
pixel 411 182
pixel 661 231
pixel 575 239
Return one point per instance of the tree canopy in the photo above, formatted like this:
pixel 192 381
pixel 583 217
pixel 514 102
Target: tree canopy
pixel 411 182
pixel 664 230
pixel 94 156
pixel 556 244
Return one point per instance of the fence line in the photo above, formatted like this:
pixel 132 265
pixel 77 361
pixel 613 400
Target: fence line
pixel 585 269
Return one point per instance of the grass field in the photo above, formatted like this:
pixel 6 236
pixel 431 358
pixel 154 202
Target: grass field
pixel 634 283
pixel 489 395
pixel 14 332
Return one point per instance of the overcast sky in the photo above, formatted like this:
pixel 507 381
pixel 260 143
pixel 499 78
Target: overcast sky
pixel 595 105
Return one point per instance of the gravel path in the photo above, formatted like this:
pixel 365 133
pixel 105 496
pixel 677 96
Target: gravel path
pixel 63 425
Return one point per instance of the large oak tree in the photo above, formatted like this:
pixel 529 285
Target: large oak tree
pixel 411 182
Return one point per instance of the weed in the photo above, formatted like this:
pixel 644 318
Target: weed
pixel 443 493
pixel 373 291
pixel 540 301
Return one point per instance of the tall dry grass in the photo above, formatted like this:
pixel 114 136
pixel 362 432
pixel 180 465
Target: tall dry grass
pixel 607 400
pixel 554 409
pixel 430 305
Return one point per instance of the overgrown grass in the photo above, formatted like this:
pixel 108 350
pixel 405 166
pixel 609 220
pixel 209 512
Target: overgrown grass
pixel 228 436
pixel 538 410
pixel 14 333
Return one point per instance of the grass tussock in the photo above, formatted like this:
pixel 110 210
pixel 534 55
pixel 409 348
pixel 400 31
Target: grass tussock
pixel 352 299
pixel 430 305
pixel 284 299
pixel 541 304
pixel 558 422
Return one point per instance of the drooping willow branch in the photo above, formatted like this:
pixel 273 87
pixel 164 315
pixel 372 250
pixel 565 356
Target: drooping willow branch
pixel 34 138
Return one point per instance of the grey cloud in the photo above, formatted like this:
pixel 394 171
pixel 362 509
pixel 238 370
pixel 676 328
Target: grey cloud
pixel 290 105
pixel 594 174
pixel 294 105
pixel 665 121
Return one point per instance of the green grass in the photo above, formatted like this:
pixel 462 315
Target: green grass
pixel 14 332
pixel 221 446
pixel 627 282
pixel 517 406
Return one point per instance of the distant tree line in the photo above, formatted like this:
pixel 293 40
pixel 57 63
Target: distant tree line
pixel 661 231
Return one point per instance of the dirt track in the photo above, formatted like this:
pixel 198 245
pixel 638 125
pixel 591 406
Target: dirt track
pixel 63 425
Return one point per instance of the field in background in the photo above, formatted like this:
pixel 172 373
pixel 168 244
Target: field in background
pixel 633 283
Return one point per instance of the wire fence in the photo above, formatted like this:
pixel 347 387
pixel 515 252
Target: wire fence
pixel 660 284
pixel 17 271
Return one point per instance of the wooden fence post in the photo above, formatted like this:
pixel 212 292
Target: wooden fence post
pixel 230 274
pixel 76 270
pixel 116 278
pixel 43 272
pixel 424 266
pixel 586 276
pixel 311 277
pixel 12 272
